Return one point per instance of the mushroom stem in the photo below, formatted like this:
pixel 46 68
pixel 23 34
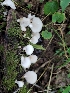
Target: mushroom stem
pixel 38 86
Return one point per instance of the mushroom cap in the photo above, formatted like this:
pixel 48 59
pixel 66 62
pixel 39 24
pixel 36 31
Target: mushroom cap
pixel 25 62
pixel 22 59
pixel 36 25
pixel 23 28
pixel 28 49
pixel 36 35
pixel 24 22
pixel 33 58
pixel 34 40
pixel 30 77
pixel 31 16
pixel 20 83
pixel 9 3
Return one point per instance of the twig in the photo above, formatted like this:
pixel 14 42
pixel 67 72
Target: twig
pixel 38 78
pixel 48 88
pixel 63 41
pixel 43 65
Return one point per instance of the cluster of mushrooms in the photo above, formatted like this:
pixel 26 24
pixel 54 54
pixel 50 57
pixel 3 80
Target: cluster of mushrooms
pixel 35 25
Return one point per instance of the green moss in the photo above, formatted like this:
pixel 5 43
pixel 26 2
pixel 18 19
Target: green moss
pixel 1 48
pixel 14 31
pixel 10 73
pixel 23 89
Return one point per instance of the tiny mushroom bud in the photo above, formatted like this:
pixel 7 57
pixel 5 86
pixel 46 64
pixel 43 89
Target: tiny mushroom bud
pixel 20 83
pixel 25 62
pixel 31 77
pixel 9 3
pixel 33 58
pixel 28 49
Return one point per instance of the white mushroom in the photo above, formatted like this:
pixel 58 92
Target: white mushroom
pixel 25 62
pixel 20 83
pixel 33 58
pixel 24 22
pixel 34 40
pixel 9 3
pixel 36 25
pixel 28 49
pixel 31 77
pixel 31 16
pixel 36 35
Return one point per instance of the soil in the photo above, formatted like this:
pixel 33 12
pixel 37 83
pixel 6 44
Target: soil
pixel 48 62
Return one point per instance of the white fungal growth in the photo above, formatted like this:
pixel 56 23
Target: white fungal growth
pixel 20 83
pixel 36 25
pixel 37 35
pixel 25 62
pixel 33 58
pixel 28 49
pixel 24 22
pixel 31 16
pixel 31 77
pixel 9 3
pixel 34 40
pixel 22 59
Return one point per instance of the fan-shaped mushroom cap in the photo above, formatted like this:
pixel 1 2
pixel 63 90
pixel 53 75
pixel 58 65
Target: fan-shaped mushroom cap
pixel 25 62
pixel 34 40
pixel 36 35
pixel 31 16
pixel 9 3
pixel 36 25
pixel 20 83
pixel 33 58
pixel 24 22
pixel 30 77
pixel 28 49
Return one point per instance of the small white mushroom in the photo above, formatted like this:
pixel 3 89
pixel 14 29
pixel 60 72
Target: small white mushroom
pixel 36 35
pixel 20 83
pixel 31 77
pixel 28 49
pixel 9 3
pixel 24 22
pixel 31 16
pixel 33 58
pixel 34 40
pixel 22 59
pixel 36 25
pixel 25 62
